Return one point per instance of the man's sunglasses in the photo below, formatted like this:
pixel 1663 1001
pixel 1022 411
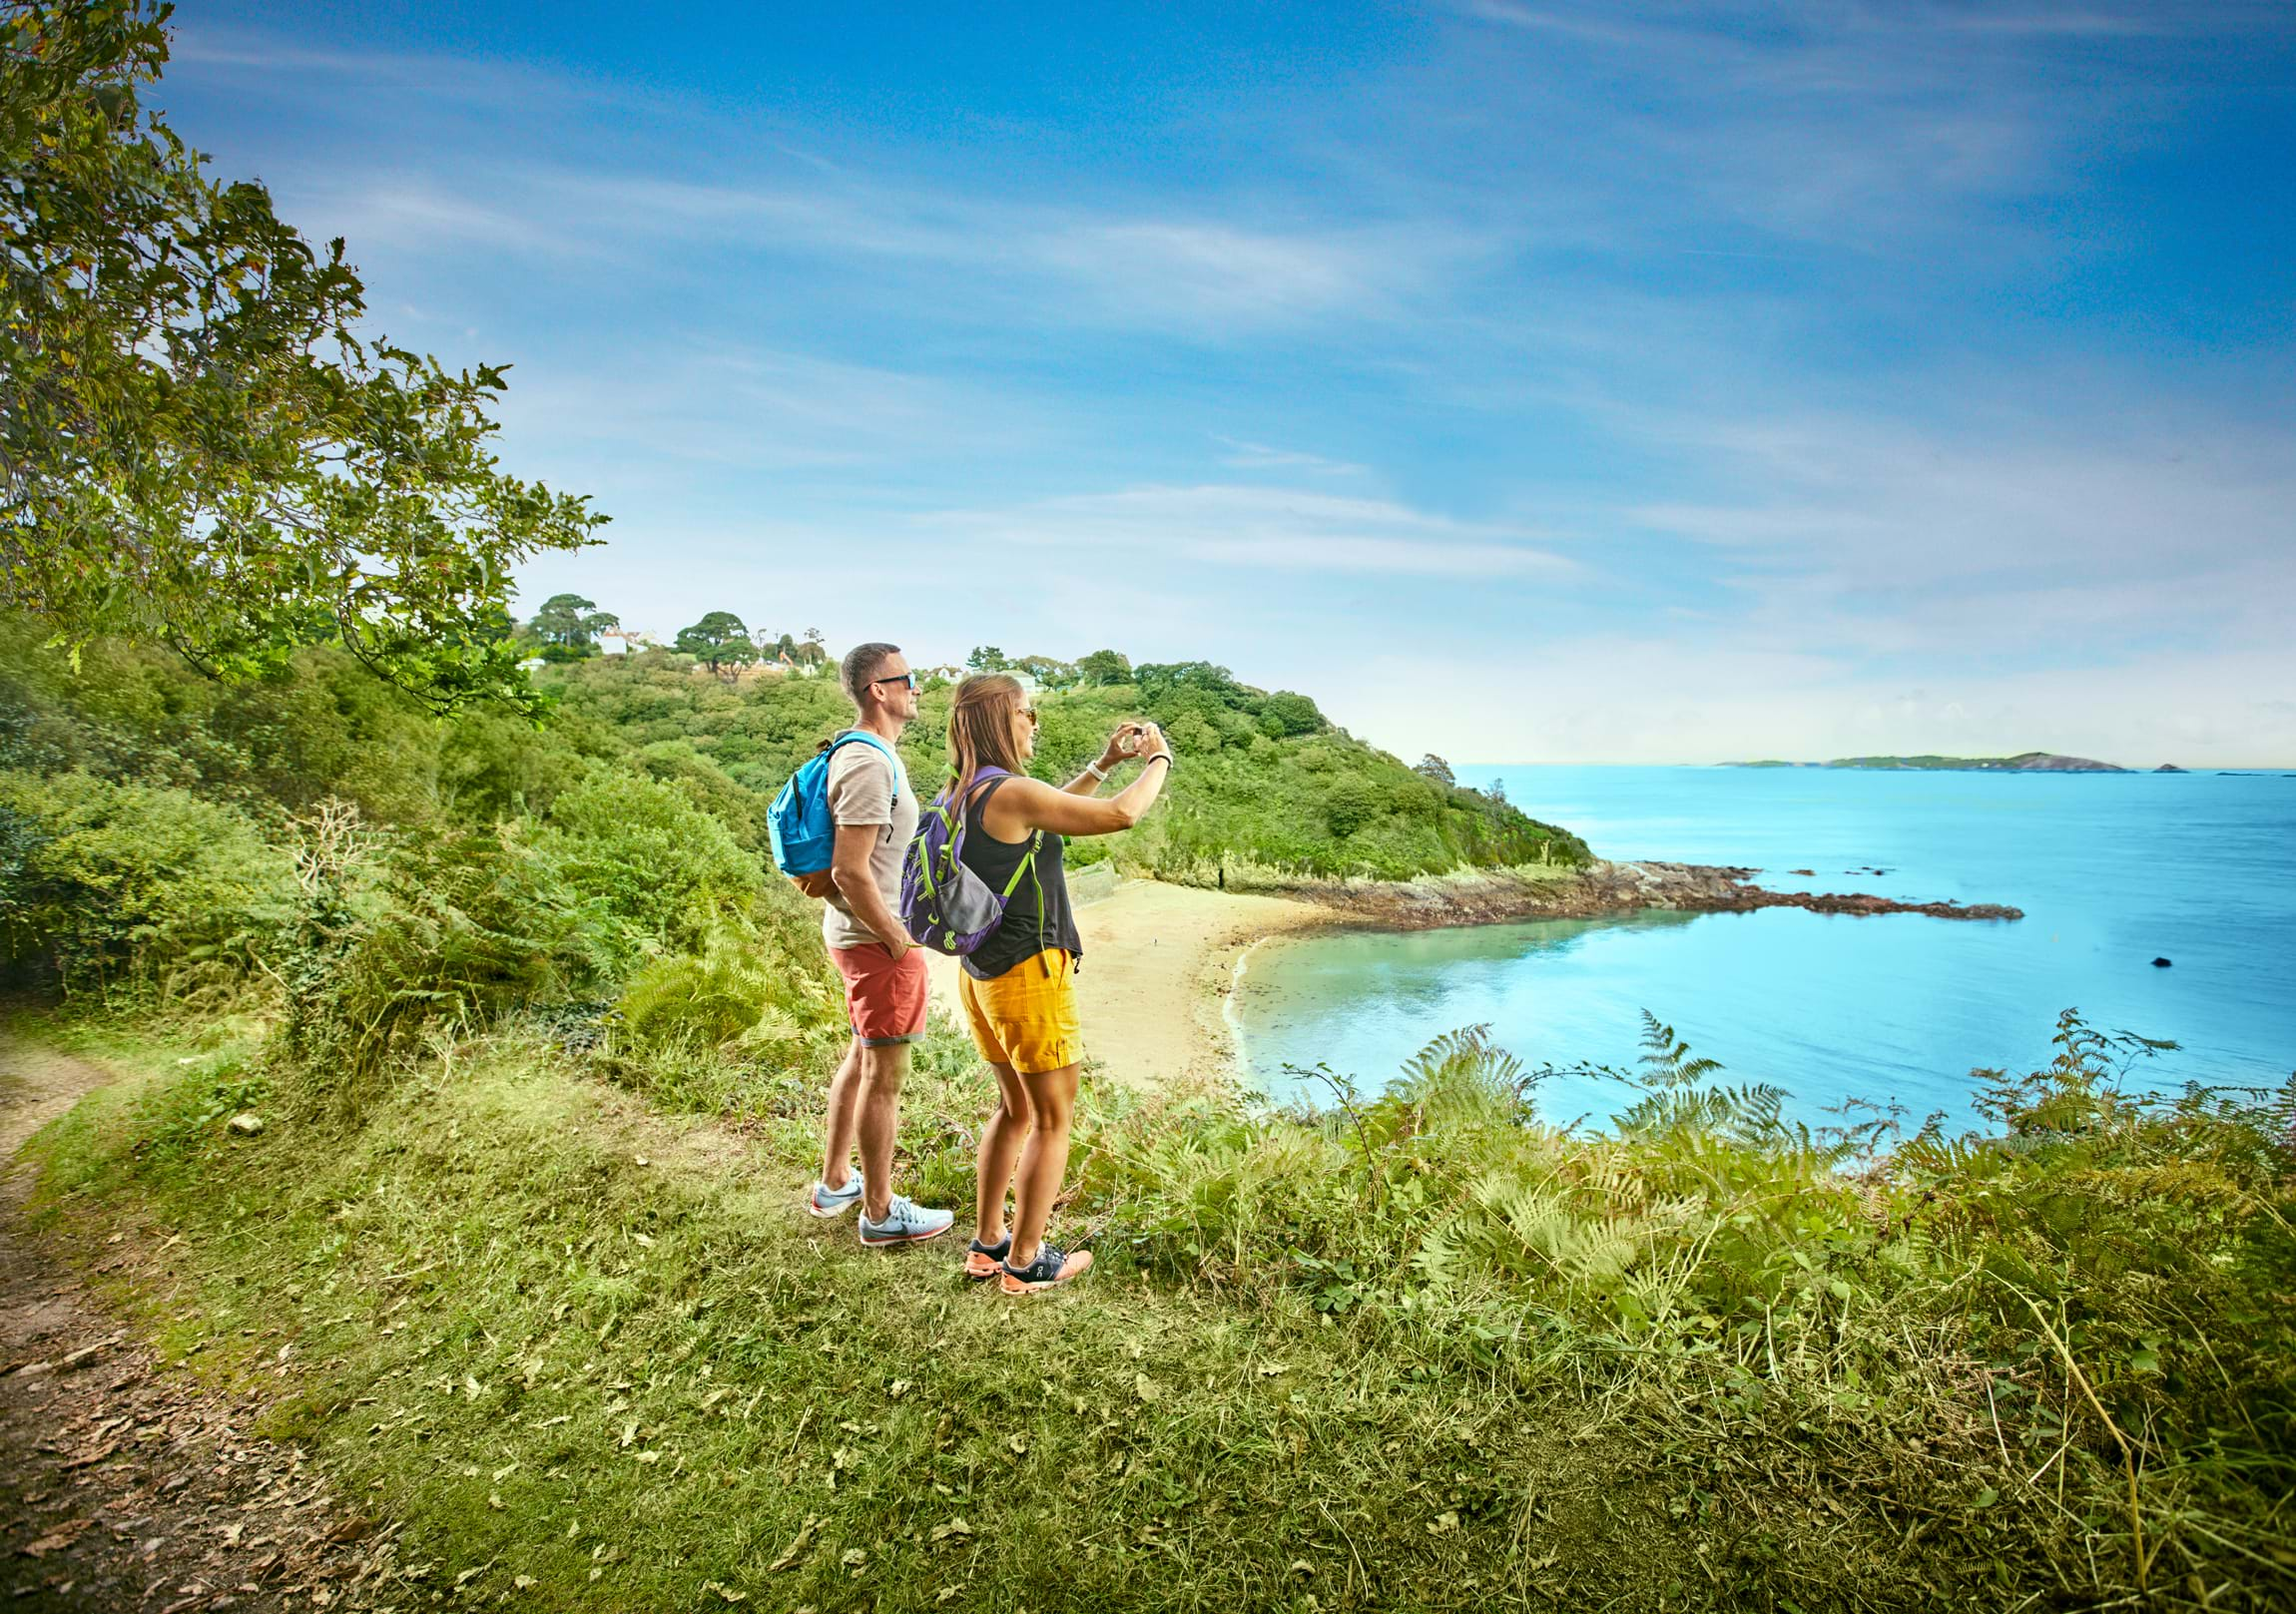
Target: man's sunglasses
pixel 899 678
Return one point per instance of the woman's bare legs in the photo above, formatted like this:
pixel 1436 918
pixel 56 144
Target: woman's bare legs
pixel 1000 1142
pixel 1051 1098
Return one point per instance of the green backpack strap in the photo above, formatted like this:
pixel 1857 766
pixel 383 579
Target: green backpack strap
pixel 1026 865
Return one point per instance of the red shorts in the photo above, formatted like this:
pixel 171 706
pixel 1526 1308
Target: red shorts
pixel 884 1000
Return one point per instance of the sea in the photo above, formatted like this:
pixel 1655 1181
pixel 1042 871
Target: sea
pixel 1847 1014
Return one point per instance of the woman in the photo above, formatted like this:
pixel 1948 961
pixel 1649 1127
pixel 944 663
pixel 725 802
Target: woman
pixel 1019 986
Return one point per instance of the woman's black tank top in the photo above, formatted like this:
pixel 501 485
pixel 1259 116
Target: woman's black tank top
pixel 1038 916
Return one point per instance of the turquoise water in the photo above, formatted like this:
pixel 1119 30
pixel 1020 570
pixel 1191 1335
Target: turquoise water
pixel 2111 870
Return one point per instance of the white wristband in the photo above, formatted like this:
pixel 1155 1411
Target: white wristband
pixel 1096 771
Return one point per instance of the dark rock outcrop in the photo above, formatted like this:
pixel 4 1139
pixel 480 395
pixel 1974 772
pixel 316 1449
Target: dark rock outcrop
pixel 1496 896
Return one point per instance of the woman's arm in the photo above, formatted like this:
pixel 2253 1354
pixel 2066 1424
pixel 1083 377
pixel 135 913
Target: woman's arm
pixel 1021 805
pixel 1089 782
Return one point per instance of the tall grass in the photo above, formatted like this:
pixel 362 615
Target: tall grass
pixel 2080 1320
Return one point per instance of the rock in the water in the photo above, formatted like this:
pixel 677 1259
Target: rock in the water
pixel 2169 768
pixel 2161 963
pixel 246 1123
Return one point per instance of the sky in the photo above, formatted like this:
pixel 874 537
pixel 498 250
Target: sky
pixel 1624 383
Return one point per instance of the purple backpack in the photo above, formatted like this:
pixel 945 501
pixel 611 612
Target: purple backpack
pixel 945 905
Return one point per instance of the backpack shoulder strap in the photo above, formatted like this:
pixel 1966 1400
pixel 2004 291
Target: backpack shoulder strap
pixel 984 784
pixel 893 760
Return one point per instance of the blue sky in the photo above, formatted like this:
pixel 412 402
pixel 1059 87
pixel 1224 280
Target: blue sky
pixel 1620 384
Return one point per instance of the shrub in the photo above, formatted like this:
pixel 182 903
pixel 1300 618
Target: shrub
pixel 1348 806
pixel 1284 714
pixel 737 989
pixel 113 879
pixel 476 923
pixel 657 871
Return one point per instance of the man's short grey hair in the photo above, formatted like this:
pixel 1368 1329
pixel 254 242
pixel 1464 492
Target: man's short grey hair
pixel 862 664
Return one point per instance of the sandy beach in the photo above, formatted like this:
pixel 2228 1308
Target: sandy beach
pixel 1158 964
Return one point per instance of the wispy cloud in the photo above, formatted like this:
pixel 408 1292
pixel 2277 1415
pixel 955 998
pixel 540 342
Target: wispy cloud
pixel 1243 456
pixel 1190 272
pixel 1266 529
pixel 1901 539
pixel 735 410
pixel 1868 129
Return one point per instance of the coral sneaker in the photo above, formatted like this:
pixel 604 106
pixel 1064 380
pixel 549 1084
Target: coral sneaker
pixel 1052 1267
pixel 987 1260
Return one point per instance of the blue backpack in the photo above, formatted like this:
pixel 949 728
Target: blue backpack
pixel 799 820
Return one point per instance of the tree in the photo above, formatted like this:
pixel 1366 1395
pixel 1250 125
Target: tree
pixel 1349 804
pixel 986 659
pixel 1286 712
pixel 1104 667
pixel 1160 679
pixel 1434 767
pixel 570 625
pixel 194 449
pixel 1050 673
pixel 718 640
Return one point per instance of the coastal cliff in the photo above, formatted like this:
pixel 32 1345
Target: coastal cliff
pixel 1496 896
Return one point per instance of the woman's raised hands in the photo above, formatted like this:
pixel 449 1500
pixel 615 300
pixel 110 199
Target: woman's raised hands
pixel 1122 743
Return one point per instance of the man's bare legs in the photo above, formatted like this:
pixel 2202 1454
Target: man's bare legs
pixel 844 1097
pixel 1000 1142
pixel 881 1070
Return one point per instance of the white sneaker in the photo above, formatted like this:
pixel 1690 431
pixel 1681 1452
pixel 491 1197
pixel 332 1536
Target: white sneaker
pixel 904 1222
pixel 827 1202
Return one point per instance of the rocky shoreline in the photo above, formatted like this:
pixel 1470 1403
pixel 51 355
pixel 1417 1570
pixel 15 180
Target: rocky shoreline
pixel 1496 896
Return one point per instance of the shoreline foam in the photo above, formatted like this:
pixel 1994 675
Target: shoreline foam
pixel 1163 964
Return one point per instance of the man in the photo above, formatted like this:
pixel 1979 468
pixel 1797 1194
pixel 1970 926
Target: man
pixel 875 812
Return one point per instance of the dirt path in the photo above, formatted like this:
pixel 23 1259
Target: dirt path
pixel 128 1485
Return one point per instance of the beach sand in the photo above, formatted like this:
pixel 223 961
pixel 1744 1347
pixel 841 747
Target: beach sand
pixel 1159 961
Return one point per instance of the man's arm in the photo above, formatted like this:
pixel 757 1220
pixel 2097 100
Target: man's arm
pixel 849 870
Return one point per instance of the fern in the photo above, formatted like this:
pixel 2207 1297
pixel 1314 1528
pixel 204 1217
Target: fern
pixel 1666 1059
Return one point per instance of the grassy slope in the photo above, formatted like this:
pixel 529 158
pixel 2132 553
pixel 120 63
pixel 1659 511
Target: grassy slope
pixel 566 1339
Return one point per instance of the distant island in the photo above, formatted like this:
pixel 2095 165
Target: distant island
pixel 2031 762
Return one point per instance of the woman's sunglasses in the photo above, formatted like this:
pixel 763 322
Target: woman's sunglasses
pixel 1033 715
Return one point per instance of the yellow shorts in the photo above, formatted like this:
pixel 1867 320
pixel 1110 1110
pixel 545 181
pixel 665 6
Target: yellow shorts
pixel 1026 1017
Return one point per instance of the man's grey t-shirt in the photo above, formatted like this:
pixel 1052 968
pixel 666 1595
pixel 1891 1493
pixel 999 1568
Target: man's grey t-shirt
pixel 861 790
